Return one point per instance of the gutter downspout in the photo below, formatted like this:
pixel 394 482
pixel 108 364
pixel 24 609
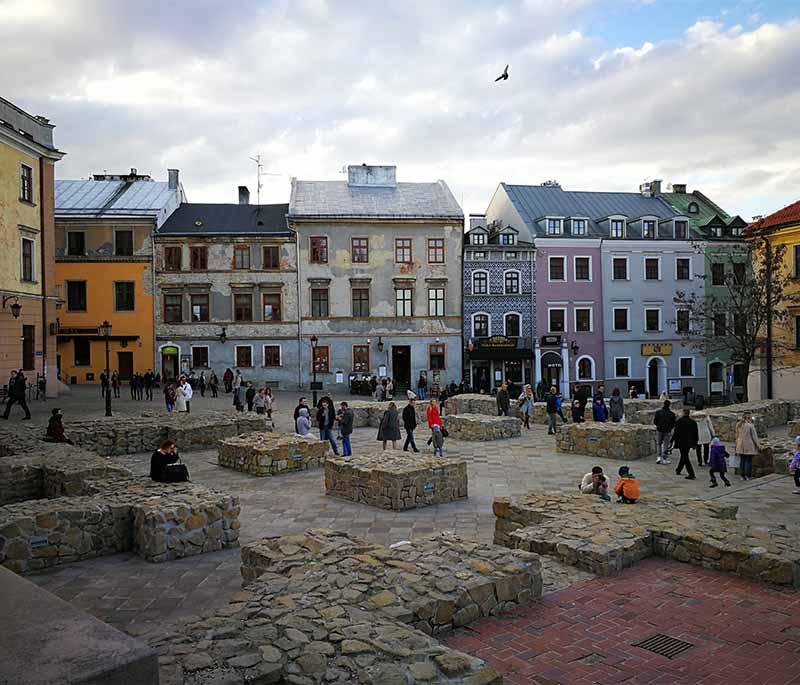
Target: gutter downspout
pixel 769 360
pixel 43 270
pixel 299 311
pixel 155 298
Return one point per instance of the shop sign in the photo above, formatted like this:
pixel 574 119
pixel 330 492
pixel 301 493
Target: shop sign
pixel 169 351
pixel 551 341
pixel 650 349
pixel 498 341
pixel 77 331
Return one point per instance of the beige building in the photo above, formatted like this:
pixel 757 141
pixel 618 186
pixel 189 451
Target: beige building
pixel 27 285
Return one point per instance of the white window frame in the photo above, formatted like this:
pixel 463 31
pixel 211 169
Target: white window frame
pixel 548 219
pixel 660 328
pixel 519 281
pixel 472 281
pixel 34 272
pixel 650 220
pixel 575 259
pixel 563 259
pixel 264 356
pixel 594 368
pixel 628 360
pixel 680 373
pixel 585 221
pixel 398 301
pixel 566 320
pixel 443 301
pixel 505 323
pixel 682 309
pixel 252 359
pixel 611 221
pixel 477 258
pixel 473 239
pixel 691 276
pixel 575 319
pixel 627 319
pixel 644 268
pixel 508 236
pixel 488 328
pixel 192 348
pixel 627 267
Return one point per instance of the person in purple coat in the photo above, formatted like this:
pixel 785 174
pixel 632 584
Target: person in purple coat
pixel 717 462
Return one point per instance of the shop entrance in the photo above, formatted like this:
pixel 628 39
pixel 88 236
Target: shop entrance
pixel 481 379
pixel 125 365
pixel 169 363
pixel 551 369
pixel 401 367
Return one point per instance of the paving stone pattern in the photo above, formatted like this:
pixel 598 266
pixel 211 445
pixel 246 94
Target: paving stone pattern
pixel 621 441
pixel 271 454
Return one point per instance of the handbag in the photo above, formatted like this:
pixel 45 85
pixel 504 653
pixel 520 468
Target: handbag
pixel 735 461
pixel 445 433
pixel 176 473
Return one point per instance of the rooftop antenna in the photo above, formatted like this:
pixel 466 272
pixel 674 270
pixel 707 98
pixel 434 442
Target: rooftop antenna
pixel 260 166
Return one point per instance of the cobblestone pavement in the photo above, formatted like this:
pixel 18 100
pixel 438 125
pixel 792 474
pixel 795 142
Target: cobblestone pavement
pixel 740 632
pixel 138 596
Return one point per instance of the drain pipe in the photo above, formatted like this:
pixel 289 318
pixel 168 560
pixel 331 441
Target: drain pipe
pixel 769 358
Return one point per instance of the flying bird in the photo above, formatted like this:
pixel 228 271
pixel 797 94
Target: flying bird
pixel 503 76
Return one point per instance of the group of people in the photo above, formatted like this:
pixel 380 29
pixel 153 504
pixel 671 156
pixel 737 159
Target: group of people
pixel 597 483
pixel 178 395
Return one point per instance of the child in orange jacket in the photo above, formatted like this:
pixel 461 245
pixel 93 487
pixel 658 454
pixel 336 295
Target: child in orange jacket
pixel 627 487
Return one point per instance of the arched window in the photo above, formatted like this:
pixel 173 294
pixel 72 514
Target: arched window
pixel 480 283
pixel 693 208
pixel 511 282
pixel 513 325
pixel 585 368
pixel 480 325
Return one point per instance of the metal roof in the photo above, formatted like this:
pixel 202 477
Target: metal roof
pixel 222 219
pixel 337 199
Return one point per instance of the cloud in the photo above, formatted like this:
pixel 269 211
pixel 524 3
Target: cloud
pixel 315 85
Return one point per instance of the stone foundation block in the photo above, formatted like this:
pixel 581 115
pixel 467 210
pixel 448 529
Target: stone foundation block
pixel 271 454
pixel 625 441
pixel 480 427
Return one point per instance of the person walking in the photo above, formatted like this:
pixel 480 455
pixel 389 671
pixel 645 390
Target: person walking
pixel 250 395
pixel 747 445
pixel 269 400
pixel 410 424
pixel 187 393
pixel 389 389
pixel 149 381
pixel 170 396
pixel 326 420
pixel 303 422
pixel 582 395
pixel 16 395
pixel 238 398
pixel 237 380
pixel 705 430
pixel 664 421
pixel 213 384
pixel 227 380
pixel 389 428
pixel 104 382
pixel 684 436
pixel 422 384
pixel 552 411
pixel 180 398
pixel 201 383
pixel 718 462
pixel 503 400
pixel 438 441
pixel 345 418
pixel 302 403
pixel 526 401
pixel 616 406
pixel 115 383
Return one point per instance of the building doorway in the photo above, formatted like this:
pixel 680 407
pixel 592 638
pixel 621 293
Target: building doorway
pixel 401 367
pixel 481 376
pixel 513 371
pixel 28 348
pixel 551 369
pixel 125 365
pixel 169 362
pixel 656 377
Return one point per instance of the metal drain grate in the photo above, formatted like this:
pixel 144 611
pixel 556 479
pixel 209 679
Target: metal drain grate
pixel 664 645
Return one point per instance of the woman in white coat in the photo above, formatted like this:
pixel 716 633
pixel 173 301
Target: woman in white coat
pixel 180 399
pixel 705 433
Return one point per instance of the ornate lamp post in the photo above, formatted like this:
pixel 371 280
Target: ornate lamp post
pixel 314 340
pixel 105 331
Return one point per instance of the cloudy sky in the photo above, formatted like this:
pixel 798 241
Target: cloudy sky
pixel 603 94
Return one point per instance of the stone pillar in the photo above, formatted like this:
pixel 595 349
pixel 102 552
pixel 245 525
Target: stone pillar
pixel 537 364
pixel 565 366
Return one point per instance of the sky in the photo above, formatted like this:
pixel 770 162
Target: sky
pixel 602 94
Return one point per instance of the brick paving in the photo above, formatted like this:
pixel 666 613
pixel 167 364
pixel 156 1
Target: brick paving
pixel 742 632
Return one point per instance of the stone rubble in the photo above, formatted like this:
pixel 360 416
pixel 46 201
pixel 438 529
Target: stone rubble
pixel 480 427
pixel 368 413
pixel 271 454
pixel 624 441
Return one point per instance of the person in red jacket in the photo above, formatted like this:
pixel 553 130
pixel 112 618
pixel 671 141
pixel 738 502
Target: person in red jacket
pixel 433 416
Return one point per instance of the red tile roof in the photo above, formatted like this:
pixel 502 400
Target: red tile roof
pixel 783 217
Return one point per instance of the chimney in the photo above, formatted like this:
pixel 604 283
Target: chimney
pixel 679 188
pixel 173 178
pixel 244 195
pixel 650 188
pixel 370 175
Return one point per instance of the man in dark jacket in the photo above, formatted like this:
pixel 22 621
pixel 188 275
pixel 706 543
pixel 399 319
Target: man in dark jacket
pixel 302 404
pixel 410 424
pixel 664 421
pixel 345 419
pixel 16 395
pixel 685 436
pixel 552 410
pixel 162 464
pixel 581 394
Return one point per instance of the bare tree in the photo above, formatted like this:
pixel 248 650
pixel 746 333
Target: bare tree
pixel 746 290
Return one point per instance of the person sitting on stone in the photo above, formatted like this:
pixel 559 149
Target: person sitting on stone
pixel 595 483
pixel 163 468
pixel 303 423
pixel 627 487
pixel 55 429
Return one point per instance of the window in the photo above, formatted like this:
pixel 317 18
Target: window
pixel 243 307
pixel 513 326
pixel 436 250
pixel 739 325
pixel 622 367
pixel 681 230
pixel 480 326
pixel 319 303
pixel 511 280
pixel 322 360
pixel 436 356
pixel 554 227
pixel 241 256
pixel 402 299
pixel 480 283
pixel 271 258
pixel 557 319
pixel 361 358
pixel 76 296
pixel 797 332
pixel 507 239
pixel 199 306
pixel 797 261
pixel 479 255
pixel 739 273
pixel 272 355
pixel 173 308
pixel 402 250
pixel 557 271
pixel 359 250
pixel 199 255
pixel 25 183
pixel 318 250
pixel 583 268
pixel 617 228
pixel 683 267
pixel 271 303
pixel 199 357
pixel 579 227
pixel 26 269
pixel 652 269
pixel 686 367
pixel 435 301
pixel 716 231
pixel 620 268
pixel 76 243
pixel 620 319
pixel 652 320
pixel 693 208
pixel 244 356
pixel 360 299
pixel 583 320
pixel 173 258
pixel 82 351
pixel 649 230
pixel 510 256
pixel 123 243
pixel 585 370
pixel 718 274
pixel 28 348
pixel 124 296
pixel 682 321
pixel 720 323
pixel 478 239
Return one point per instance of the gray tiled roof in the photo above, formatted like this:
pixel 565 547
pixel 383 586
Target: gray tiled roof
pixel 227 219
pixel 336 199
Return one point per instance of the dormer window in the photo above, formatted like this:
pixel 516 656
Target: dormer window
pixel 579 227
pixel 693 208
pixel 617 228
pixel 736 231
pixel 478 239
pixel 649 229
pixel 681 230
pixel 554 226
pixel 507 239
pixel 717 231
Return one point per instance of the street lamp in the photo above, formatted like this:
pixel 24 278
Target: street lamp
pixel 314 341
pixel 105 331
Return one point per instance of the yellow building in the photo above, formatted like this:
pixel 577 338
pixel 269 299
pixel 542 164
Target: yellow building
pixel 27 285
pixel 780 376
pixel 104 267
